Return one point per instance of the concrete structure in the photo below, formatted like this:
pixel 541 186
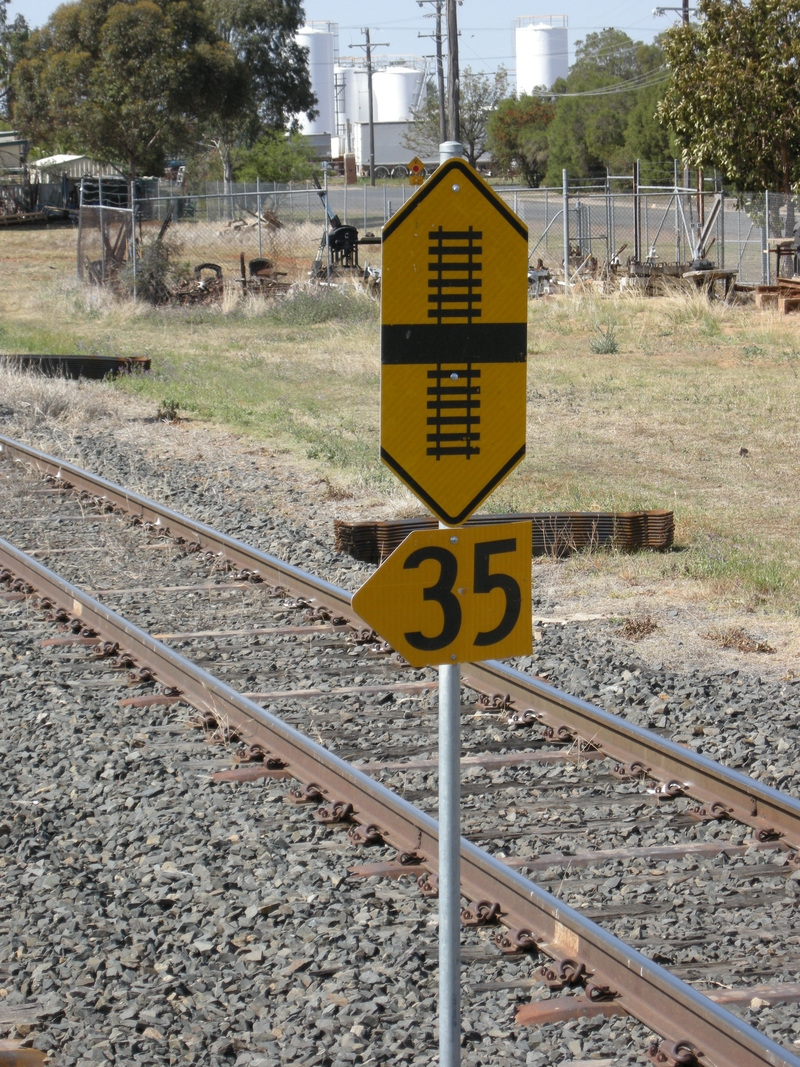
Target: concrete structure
pixel 542 50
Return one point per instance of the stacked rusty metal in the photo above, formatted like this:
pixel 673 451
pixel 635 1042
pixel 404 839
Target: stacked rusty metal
pixel 555 533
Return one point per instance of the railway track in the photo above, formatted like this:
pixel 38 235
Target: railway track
pixel 650 851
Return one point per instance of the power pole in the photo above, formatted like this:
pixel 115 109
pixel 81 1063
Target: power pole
pixel 437 36
pixel 453 120
pixel 685 12
pixel 368 46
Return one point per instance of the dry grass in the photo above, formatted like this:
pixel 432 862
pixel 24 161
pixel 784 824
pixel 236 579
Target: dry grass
pixel 734 637
pixel 35 399
pixel 659 423
pixel 634 629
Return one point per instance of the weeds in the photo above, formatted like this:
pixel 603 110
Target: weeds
pixel 736 638
pixel 309 307
pixel 635 629
pixel 604 343
pixel 168 411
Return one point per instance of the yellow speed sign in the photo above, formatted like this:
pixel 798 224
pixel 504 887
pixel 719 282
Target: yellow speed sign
pixel 453 341
pixel 454 596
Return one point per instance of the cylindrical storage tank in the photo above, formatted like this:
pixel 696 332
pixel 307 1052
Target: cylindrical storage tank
pixel 542 56
pixel 320 65
pixel 396 91
pixel 356 93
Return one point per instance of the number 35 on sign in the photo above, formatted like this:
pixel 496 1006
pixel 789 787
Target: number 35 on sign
pixel 454 596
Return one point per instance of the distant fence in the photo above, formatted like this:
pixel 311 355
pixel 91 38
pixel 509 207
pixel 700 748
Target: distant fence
pixel 655 225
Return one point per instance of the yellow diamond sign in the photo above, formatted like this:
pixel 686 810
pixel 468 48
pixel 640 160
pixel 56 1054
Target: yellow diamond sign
pixel 453 341
pixel 416 171
pixel 454 596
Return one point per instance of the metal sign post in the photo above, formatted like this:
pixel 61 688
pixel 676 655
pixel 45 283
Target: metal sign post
pixel 453 396
pixel 449 865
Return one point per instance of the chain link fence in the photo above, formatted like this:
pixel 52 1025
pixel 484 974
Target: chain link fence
pixel 279 233
pixel 106 250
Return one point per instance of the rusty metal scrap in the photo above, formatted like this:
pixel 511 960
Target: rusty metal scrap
pixel 557 533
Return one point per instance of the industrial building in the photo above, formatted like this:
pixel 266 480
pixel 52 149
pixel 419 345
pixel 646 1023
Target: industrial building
pixel 340 84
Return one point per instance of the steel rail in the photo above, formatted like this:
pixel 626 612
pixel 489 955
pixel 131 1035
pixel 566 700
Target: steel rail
pixel 724 792
pixel 644 989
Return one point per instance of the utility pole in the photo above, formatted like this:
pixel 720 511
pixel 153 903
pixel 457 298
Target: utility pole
pixel 437 36
pixel 685 12
pixel 453 120
pixel 368 46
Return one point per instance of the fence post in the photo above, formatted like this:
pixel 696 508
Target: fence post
pixel 365 209
pixel 345 202
pixel 637 222
pixel 565 199
pixel 721 226
pixel 79 264
pixel 327 233
pixel 258 216
pixel 546 220
pixel 765 264
pixel 102 230
pixel 133 237
pixel 677 214
pixel 291 204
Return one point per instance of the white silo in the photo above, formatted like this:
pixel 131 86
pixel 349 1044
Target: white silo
pixel 321 51
pixel 396 91
pixel 542 49
pixel 355 93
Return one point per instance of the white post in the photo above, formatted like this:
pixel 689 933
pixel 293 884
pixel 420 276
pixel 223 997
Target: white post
pixel 449 865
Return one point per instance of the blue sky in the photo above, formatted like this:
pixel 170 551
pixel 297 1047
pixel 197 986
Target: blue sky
pixel 486 34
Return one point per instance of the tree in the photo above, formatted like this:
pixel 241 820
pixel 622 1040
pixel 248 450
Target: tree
pixel 125 80
pixel 734 98
pixel 261 34
pixel 479 96
pixel 13 36
pixel 275 158
pixel 590 132
pixel 518 136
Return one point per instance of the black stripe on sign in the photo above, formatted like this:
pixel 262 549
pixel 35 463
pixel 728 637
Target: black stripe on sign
pixel 484 342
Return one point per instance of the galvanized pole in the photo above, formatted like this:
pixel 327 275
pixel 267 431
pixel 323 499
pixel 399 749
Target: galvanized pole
pixel 565 209
pixel 102 231
pixel 677 215
pixel 133 237
pixel 637 222
pixel 766 269
pixel 327 234
pixel 258 209
pixel 450 864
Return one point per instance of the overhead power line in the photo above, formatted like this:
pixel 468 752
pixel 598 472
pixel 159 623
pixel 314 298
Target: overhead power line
pixel 642 81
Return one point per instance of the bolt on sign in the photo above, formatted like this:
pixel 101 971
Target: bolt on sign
pixel 454 596
pixel 416 171
pixel 453 341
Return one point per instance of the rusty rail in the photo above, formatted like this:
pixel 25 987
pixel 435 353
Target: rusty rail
pixel 673 768
pixel 669 1007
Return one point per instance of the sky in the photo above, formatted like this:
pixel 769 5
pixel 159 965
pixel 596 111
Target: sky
pixel 486 25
